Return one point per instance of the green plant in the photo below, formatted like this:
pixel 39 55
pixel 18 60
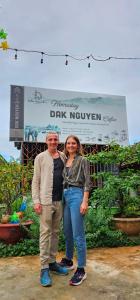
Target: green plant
pixel 26 247
pixel 100 230
pixel 15 181
pixel 121 188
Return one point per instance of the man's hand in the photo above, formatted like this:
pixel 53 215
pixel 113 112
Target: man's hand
pixel 38 208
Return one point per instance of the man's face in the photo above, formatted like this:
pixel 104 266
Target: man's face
pixel 52 141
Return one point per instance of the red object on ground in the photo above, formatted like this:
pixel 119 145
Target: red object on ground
pixel 13 233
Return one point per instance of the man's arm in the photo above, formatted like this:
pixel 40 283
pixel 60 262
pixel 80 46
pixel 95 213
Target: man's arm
pixel 36 186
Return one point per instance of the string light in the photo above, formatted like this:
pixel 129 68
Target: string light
pixel 41 61
pixel 91 56
pixel 88 62
pixel 16 54
pixel 66 62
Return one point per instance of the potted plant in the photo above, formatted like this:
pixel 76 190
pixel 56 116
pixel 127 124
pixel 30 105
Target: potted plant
pixel 120 189
pixel 15 182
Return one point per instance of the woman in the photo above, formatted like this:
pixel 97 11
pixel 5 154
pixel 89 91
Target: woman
pixel 76 193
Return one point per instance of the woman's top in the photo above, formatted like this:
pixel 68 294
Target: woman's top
pixel 78 174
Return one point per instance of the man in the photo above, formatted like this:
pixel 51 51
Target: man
pixel 47 188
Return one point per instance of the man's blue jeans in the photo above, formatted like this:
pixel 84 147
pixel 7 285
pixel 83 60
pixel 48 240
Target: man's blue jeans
pixel 74 224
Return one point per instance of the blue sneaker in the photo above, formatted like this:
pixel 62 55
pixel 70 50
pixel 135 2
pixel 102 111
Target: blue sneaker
pixel 45 279
pixel 57 269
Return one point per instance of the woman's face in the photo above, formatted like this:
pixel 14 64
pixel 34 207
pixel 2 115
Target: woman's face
pixel 71 146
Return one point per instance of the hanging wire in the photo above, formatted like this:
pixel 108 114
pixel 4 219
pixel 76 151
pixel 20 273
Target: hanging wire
pixel 91 56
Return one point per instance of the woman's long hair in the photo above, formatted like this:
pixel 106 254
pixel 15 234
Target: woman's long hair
pixel 79 150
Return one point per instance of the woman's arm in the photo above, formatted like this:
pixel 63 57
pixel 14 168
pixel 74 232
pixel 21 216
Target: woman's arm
pixel 87 177
pixel 87 185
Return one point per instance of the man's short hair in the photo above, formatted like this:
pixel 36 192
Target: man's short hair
pixel 52 132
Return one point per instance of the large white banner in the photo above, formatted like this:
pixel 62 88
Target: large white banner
pixel 94 118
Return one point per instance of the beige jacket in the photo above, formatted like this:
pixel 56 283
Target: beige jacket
pixel 42 183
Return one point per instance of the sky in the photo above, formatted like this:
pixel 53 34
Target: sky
pixel 79 28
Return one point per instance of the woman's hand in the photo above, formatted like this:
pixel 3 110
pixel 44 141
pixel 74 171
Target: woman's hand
pixel 84 207
pixel 84 204
pixel 38 208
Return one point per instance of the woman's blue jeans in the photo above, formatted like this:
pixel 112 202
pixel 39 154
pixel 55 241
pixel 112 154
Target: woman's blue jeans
pixel 74 224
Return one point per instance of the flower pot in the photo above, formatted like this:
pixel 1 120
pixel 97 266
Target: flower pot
pixel 130 226
pixel 13 233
